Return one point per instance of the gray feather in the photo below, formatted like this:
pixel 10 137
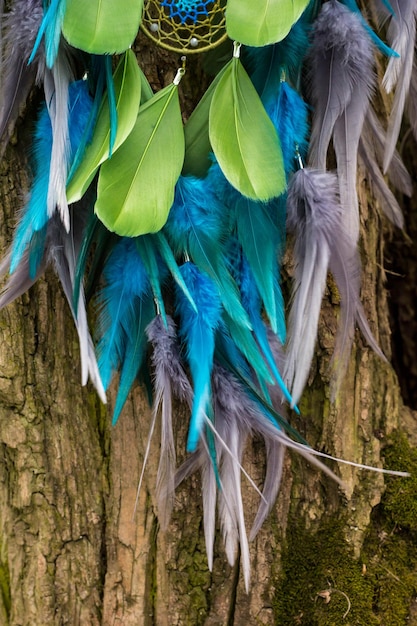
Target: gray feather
pixel 340 70
pixel 20 27
pixel 62 250
pixel 401 35
pixel 374 138
pixel 19 282
pixel 313 214
pixel 381 191
pixel 168 374
pixel 322 243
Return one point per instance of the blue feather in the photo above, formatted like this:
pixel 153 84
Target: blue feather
pixel 289 114
pixel 198 333
pixel 197 227
pixel 96 80
pixel 138 316
pixel 265 64
pixel 260 229
pixel 252 302
pixel 126 281
pixel 35 215
pixel 51 28
pixel 148 251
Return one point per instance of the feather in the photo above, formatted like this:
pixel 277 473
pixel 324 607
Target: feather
pixel 342 71
pixel 252 303
pixel 374 134
pixel 35 215
pixel 56 85
pixel 386 50
pixel 289 114
pixel 196 227
pixel 402 35
pixel 260 229
pixel 20 25
pixel 50 28
pixel 314 214
pixel 126 309
pixel 111 94
pixel 198 334
pixel 169 377
pixel 265 64
pixel 62 249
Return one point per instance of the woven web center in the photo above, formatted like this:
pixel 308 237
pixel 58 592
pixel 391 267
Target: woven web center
pixel 186 9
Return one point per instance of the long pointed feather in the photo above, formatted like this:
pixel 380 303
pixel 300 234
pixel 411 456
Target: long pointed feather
pixel 198 331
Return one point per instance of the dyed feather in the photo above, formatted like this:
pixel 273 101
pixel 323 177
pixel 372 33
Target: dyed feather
pixel 35 215
pixel 289 114
pixel 266 64
pixel 259 228
pixel 198 334
pixel 50 28
pixel 196 227
pixel 252 303
pixel 126 309
pixel 343 78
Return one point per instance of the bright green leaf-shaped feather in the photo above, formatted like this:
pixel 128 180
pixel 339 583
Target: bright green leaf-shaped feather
pixel 127 85
pixel 102 26
pixel 262 22
pixel 196 130
pixel 243 138
pixel 136 186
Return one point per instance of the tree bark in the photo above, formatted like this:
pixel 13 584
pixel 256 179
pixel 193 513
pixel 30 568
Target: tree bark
pixel 75 546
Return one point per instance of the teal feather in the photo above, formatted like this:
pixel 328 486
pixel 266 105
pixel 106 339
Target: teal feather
pixel 197 227
pixel 51 29
pixel 198 334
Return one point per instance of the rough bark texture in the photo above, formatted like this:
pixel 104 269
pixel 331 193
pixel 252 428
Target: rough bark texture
pixel 75 550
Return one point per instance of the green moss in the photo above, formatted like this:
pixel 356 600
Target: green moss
pixel 400 500
pixel 381 585
pixel 5 586
pixel 319 562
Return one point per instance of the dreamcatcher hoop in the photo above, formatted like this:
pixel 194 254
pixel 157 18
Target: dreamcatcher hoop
pixel 185 26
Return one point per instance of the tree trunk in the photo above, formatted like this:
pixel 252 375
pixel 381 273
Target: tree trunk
pixel 78 547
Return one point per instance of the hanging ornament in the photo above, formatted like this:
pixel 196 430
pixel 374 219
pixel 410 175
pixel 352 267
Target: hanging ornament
pixel 185 26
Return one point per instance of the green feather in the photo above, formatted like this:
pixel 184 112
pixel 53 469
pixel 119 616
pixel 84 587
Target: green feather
pixel 127 85
pixel 102 26
pixel 243 138
pixel 262 22
pixel 136 186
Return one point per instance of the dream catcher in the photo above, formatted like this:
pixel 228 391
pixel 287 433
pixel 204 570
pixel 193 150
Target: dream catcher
pixel 129 205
